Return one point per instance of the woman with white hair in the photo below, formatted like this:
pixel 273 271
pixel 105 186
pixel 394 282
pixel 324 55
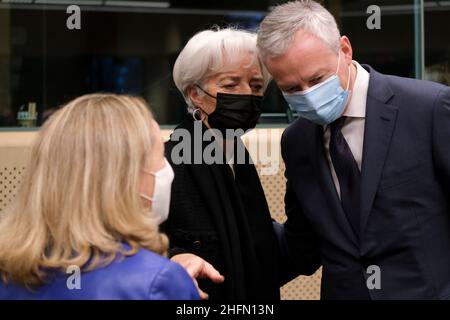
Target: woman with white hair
pixel 218 208
pixel 84 224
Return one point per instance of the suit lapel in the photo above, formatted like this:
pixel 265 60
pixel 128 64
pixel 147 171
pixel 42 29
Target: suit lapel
pixel 379 128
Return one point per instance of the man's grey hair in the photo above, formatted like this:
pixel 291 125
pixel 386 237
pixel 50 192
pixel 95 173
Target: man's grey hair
pixel 278 29
pixel 210 52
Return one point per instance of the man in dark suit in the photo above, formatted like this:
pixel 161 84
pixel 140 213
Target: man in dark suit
pixel 367 164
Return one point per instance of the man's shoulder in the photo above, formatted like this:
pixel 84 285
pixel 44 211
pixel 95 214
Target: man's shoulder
pixel 404 89
pixel 300 129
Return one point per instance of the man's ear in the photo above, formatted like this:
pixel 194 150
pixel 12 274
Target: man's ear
pixel 346 48
pixel 195 97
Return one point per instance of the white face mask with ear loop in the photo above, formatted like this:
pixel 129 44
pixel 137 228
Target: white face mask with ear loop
pixel 161 192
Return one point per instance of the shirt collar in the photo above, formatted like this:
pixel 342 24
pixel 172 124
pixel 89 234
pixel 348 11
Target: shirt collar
pixel 357 105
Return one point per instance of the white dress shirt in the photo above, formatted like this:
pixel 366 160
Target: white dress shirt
pixel 353 129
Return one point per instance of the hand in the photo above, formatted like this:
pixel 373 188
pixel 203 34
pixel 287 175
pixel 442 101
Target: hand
pixel 198 268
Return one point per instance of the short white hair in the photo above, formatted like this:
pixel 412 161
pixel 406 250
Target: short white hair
pixel 278 29
pixel 210 52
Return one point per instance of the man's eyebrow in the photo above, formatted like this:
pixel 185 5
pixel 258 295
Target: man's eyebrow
pixel 318 73
pixel 321 72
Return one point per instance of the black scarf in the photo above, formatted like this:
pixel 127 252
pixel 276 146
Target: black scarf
pixel 242 219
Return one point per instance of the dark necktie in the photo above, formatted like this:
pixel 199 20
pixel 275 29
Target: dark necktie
pixel 347 173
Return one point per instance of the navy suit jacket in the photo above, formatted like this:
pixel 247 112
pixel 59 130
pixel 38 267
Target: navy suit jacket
pixel 143 276
pixel 405 198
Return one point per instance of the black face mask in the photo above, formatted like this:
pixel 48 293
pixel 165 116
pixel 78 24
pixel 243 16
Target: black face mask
pixel 235 111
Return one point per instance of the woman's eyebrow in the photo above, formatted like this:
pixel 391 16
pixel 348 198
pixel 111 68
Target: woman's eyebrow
pixel 229 77
pixel 257 78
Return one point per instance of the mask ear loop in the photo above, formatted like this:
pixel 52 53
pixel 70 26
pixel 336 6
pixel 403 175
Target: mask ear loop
pixel 142 194
pixel 146 197
pixel 339 61
pixel 349 70
pixel 204 91
pixel 200 110
pixel 348 78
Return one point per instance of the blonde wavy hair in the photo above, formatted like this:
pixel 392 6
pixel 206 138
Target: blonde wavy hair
pixel 79 199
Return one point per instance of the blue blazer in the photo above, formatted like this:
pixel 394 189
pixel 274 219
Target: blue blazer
pixel 405 198
pixel 143 276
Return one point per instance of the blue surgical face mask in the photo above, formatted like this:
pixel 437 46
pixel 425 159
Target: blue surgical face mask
pixel 322 103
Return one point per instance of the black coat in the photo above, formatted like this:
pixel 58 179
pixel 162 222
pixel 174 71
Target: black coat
pixel 225 220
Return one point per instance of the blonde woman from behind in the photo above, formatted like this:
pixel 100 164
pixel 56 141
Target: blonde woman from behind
pixel 96 170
